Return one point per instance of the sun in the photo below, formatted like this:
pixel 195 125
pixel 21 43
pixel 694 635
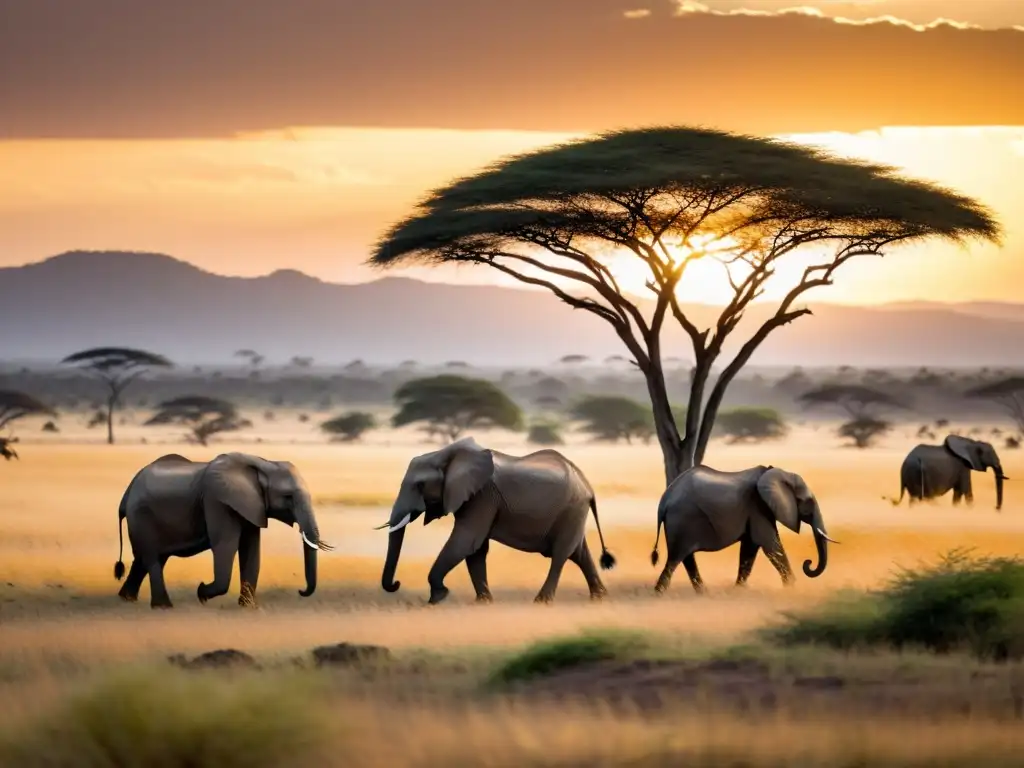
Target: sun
pixel 706 279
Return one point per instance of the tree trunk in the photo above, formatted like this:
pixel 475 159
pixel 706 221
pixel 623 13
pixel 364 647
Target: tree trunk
pixel 111 402
pixel 665 425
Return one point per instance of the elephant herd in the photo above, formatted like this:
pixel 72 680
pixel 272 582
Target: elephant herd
pixel 536 503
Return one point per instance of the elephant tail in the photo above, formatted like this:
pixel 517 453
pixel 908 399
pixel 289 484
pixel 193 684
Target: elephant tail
pixel 607 558
pixel 122 512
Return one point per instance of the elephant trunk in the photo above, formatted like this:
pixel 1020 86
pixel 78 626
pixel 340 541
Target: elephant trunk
pixel 309 555
pixel 311 542
pixel 821 542
pixel 999 486
pixel 387 579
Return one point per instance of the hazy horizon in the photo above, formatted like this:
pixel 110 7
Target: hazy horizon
pixel 178 136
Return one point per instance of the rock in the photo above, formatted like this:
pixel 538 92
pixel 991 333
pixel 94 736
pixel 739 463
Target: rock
pixel 348 654
pixel 219 659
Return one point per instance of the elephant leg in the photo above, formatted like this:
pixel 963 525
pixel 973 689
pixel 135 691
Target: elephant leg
pixel 476 564
pixel 158 597
pixel 748 553
pixel 967 490
pixel 666 575
pixel 690 564
pixel 460 546
pixel 249 564
pixel 550 585
pixel 585 561
pixel 957 495
pixel 129 591
pixel 225 531
pixel 777 556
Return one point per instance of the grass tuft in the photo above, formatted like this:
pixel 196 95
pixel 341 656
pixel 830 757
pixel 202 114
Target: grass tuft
pixel 170 718
pixel 549 656
pixel 961 604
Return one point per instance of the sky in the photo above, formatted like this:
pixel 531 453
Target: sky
pixel 246 136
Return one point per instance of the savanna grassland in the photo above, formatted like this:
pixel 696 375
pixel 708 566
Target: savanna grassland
pixel 84 678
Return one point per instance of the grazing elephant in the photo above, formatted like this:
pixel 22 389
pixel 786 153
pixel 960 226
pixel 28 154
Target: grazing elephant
pixel 930 471
pixel 533 503
pixel 178 508
pixel 705 510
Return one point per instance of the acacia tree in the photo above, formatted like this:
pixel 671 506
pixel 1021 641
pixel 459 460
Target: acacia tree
pixel 668 197
pixel 448 405
pixel 117 367
pixel 204 416
pixel 1008 392
pixel 15 405
pixel 858 401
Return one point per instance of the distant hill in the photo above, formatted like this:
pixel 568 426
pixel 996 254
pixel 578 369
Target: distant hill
pixel 79 299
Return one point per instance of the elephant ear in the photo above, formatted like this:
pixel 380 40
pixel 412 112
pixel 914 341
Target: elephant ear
pixel 966 450
pixel 233 479
pixel 468 470
pixel 776 488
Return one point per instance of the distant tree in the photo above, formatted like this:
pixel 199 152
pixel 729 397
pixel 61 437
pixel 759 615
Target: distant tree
pixel 204 416
pixel 864 430
pixel 857 400
pixel 1011 442
pixel 573 359
pixel 612 418
pixel 751 425
pixel 117 367
pixel 456 364
pixel 448 405
pixel 544 433
pixel 668 197
pixel 1008 392
pixel 349 427
pixel 16 405
pixel 299 361
pixel 253 358
pixel 355 365
pixel 941 423
pixel 50 427
pixel 408 364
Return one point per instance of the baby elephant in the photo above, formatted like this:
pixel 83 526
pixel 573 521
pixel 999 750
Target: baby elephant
pixel 705 510
pixel 179 508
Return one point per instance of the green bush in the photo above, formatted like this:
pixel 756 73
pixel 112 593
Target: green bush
pixel 961 604
pixel 172 719
pixel 544 434
pixel 549 656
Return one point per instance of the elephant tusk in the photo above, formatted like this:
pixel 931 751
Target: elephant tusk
pixel 401 525
pixel 309 543
pixel 381 527
pixel 824 535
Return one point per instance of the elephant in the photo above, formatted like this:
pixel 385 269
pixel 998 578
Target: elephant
pixel 534 503
pixel 930 471
pixel 176 507
pixel 707 510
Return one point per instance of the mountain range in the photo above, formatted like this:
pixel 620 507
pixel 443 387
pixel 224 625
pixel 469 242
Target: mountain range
pixel 79 299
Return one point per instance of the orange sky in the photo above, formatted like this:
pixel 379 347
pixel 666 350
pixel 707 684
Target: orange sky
pixel 139 130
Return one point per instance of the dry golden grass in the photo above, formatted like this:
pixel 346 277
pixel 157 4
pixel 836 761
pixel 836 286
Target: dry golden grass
pixel 59 610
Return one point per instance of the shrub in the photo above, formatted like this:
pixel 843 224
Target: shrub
pixel 553 655
pixel 544 434
pixel 172 719
pixel 747 423
pixel 961 604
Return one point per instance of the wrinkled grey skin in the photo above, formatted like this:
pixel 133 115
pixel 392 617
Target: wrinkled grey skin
pixel 178 508
pixel 705 510
pixel 533 503
pixel 930 471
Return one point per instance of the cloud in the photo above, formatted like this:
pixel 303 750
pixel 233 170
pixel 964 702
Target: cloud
pixel 199 68
pixel 637 13
pixel 684 7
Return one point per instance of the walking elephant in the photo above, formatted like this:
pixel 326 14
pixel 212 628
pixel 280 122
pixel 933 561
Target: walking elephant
pixel 178 508
pixel 705 510
pixel 534 503
pixel 930 471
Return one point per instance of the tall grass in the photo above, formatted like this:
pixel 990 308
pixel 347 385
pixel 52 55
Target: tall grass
pixel 169 718
pixel 964 603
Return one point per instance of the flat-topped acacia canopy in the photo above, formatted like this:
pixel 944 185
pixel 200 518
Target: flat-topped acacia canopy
pixel 668 196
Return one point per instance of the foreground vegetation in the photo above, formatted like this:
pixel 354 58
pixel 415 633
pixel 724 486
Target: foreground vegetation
pixel 598 698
